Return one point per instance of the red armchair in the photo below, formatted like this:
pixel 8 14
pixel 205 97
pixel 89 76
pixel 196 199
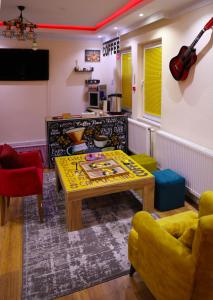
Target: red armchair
pixel 25 180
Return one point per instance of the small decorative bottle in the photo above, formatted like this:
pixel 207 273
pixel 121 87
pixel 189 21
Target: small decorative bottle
pixel 76 65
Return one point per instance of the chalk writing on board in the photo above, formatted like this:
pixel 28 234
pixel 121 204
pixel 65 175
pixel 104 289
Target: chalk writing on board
pixel 106 131
pixel 118 129
pixel 68 137
pixel 58 152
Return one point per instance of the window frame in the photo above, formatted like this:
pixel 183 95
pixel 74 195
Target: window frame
pixel 126 51
pixel 145 116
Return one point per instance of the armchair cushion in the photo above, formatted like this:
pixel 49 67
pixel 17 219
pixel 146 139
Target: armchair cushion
pixel 149 230
pixel 9 158
pixel 177 224
pixel 188 236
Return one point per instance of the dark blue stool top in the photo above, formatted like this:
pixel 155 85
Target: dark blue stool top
pixel 167 176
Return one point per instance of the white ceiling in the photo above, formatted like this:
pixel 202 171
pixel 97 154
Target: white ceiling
pixel 91 12
pixel 66 12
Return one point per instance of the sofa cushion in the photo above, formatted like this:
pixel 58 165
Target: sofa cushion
pixel 9 158
pixel 146 161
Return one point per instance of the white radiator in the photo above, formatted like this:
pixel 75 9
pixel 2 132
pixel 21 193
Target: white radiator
pixel 190 160
pixel 138 137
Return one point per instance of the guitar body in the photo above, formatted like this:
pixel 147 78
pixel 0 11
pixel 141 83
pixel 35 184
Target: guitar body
pixel 181 64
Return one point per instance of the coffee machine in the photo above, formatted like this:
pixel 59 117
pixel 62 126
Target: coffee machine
pixel 96 95
pixel 115 103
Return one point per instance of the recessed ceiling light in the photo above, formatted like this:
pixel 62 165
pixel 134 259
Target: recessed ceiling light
pixel 99 36
pixel 115 28
pixel 141 15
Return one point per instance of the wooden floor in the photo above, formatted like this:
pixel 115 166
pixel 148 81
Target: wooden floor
pixel 11 235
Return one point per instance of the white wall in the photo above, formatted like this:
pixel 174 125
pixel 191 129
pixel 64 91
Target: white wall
pixel 187 106
pixel 24 105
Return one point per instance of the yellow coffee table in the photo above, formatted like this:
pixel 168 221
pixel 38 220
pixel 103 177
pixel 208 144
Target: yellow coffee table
pixel 77 185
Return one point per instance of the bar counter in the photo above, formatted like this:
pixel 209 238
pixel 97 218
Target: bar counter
pixel 85 135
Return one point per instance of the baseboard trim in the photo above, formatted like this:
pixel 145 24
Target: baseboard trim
pixel 28 143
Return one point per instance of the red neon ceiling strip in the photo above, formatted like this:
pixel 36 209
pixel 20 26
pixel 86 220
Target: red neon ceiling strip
pixel 121 11
pixel 65 27
pixel 118 13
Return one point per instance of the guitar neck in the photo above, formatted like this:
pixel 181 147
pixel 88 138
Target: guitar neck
pixel 196 39
pixel 206 27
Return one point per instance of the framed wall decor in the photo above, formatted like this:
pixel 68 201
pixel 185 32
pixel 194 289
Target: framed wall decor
pixel 92 55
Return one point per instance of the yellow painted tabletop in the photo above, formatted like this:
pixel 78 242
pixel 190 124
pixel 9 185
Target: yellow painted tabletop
pixel 77 180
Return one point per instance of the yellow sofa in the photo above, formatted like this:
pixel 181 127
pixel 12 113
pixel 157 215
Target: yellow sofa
pixel 174 255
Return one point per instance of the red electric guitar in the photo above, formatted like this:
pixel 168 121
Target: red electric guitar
pixel 181 64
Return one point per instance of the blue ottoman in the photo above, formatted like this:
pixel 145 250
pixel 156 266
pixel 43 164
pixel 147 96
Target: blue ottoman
pixel 169 190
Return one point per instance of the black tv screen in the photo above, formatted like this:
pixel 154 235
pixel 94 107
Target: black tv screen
pixel 24 64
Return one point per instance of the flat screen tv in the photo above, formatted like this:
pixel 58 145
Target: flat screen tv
pixel 24 64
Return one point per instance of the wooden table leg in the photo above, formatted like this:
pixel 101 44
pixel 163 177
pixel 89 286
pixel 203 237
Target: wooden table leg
pixel 3 206
pixel 148 197
pixel 58 183
pixel 140 193
pixel 73 213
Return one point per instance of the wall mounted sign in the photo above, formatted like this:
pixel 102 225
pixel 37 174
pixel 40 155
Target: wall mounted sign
pixel 92 55
pixel 111 46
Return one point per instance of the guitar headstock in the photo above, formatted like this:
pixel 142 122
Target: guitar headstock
pixel 209 24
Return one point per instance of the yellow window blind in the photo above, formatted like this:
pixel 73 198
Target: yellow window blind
pixel 152 81
pixel 127 80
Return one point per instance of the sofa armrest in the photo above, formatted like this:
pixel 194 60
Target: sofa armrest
pixel 148 229
pixel 21 182
pixel 31 158
pixel 206 204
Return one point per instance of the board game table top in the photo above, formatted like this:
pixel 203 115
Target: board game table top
pixel 77 173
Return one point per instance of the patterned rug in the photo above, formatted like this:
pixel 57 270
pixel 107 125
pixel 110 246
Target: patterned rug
pixel 58 263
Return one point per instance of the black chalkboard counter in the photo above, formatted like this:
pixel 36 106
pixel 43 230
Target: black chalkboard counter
pixel 79 134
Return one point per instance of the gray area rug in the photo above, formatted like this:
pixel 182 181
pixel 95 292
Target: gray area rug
pixel 58 263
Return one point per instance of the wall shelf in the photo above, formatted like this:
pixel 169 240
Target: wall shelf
pixel 83 69
pixel 92 81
